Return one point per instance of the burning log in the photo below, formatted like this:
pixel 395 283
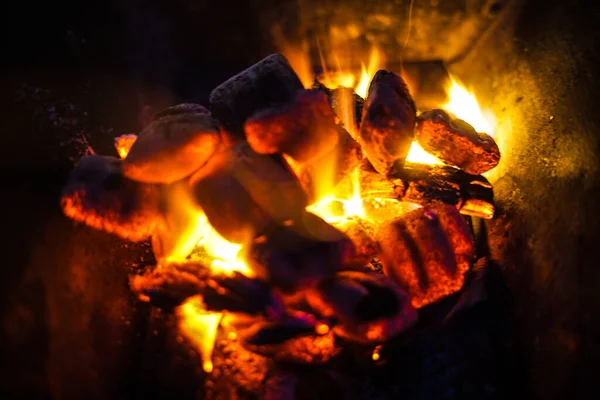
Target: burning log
pixel 243 193
pixel 300 254
pixel 176 144
pixel 388 122
pixel 304 128
pixel 269 82
pixel 456 142
pixel 98 195
pixel 427 252
pixel 369 307
pixel 426 184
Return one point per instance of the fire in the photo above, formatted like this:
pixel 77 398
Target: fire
pixel 339 205
pixel 464 105
pixel 123 144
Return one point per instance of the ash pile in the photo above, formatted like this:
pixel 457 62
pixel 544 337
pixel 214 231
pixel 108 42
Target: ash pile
pixel 296 289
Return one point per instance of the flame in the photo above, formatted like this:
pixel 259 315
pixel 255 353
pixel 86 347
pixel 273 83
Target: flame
pixel 351 206
pixel 200 328
pixel 464 105
pixel 345 77
pixel 197 324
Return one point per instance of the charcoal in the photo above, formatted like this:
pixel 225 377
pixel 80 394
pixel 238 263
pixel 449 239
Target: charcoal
pixel 269 82
pixel 424 184
pixel 243 193
pixel 173 146
pixel 169 286
pixel 388 122
pixel 98 195
pixel 300 254
pixel 368 306
pixel 456 142
pixel 303 128
pixel 304 349
pixel 172 284
pixel 274 333
pixel 181 109
pixel 418 252
pixel 342 159
pixel 362 235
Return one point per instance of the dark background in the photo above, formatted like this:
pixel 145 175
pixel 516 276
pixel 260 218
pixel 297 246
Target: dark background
pixel 79 73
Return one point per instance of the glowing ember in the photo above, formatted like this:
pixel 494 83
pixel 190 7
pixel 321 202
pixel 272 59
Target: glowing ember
pixel 123 144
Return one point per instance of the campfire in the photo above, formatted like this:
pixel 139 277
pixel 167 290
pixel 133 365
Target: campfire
pixel 298 216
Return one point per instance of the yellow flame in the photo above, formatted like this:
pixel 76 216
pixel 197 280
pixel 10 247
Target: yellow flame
pixel 350 207
pixel 200 328
pixel 464 105
pixel 417 154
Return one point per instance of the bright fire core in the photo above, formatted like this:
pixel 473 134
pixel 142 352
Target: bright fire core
pixel 199 326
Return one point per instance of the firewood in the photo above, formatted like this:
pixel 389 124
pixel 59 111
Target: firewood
pixel 456 142
pixel 388 122
pixel 269 82
pixel 173 146
pixel 243 193
pixel 98 195
pixel 300 254
pixel 427 252
pixel 303 128
pixel 425 184
pixel 368 306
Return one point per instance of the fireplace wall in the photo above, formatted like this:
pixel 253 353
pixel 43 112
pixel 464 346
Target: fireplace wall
pixel 70 327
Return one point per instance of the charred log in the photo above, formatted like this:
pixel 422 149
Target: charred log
pixel 269 82
pixel 388 122
pixel 456 142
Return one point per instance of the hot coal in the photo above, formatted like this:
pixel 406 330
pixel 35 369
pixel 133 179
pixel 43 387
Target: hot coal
pixel 274 333
pixel 427 252
pixel 369 307
pixel 388 121
pixel 268 83
pixel 243 193
pixel 300 254
pixel 456 142
pixel 98 195
pixel 175 145
pixel 303 128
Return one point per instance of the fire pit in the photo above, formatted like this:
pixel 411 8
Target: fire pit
pixel 297 220
pixel 322 226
